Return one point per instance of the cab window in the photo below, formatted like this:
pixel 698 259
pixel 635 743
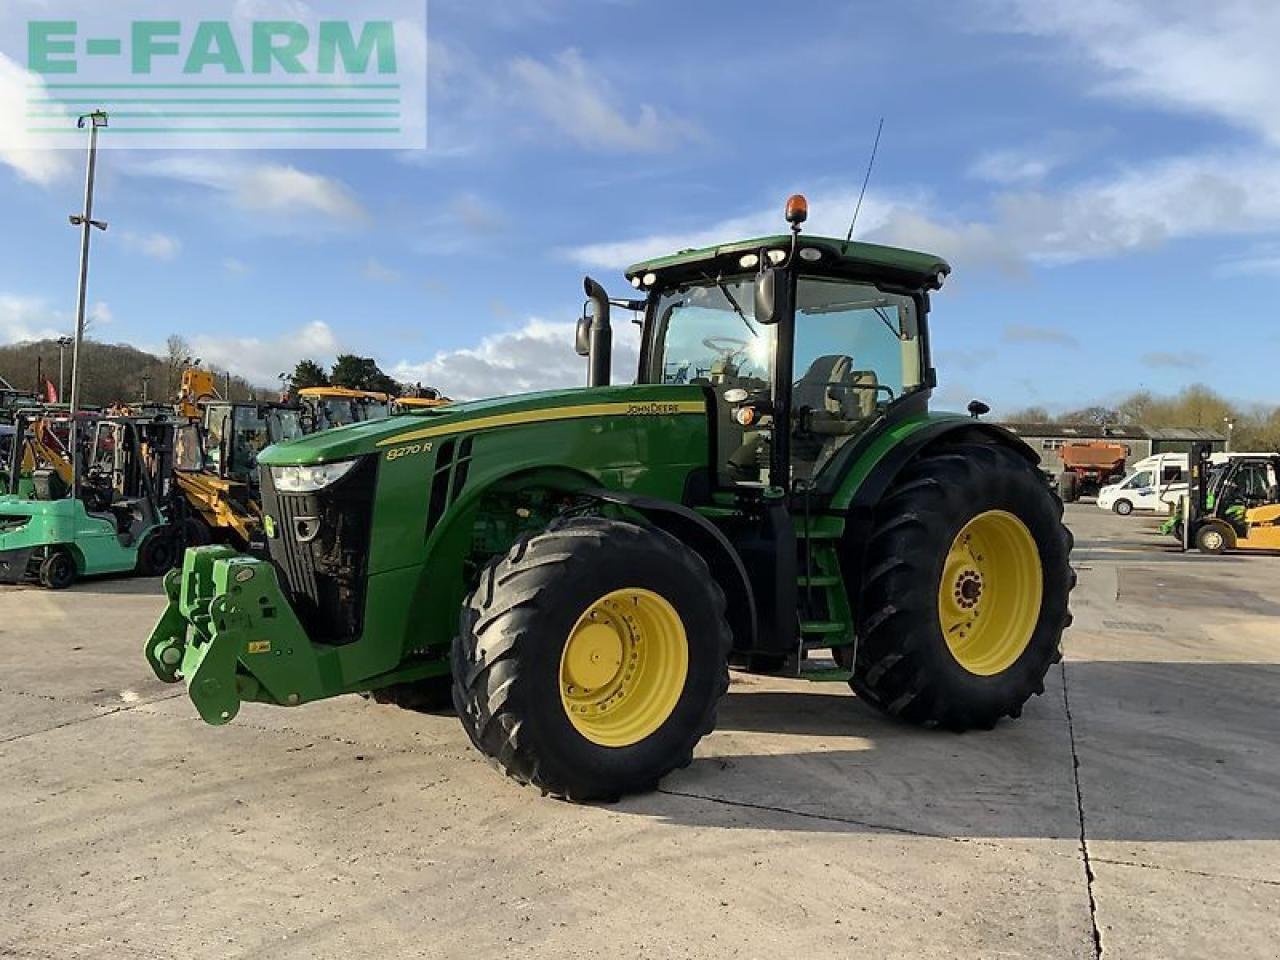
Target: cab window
pixel 1142 479
pixel 857 350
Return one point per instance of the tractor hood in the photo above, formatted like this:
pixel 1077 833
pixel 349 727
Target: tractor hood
pixel 376 436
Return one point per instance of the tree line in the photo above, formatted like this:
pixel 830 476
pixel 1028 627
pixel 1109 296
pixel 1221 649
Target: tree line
pixel 114 372
pixel 1251 428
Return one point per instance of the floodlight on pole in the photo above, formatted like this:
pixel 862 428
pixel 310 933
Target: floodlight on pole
pixel 63 343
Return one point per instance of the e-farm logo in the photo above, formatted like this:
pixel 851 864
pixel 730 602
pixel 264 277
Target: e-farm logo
pixel 220 77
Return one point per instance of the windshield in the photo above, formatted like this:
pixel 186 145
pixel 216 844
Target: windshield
pixel 249 438
pixel 706 335
pixel 284 425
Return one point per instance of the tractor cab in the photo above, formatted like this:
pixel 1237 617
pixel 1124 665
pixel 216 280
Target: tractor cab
pixel 229 437
pixel 326 407
pixel 802 343
pixel 217 467
pixel 419 398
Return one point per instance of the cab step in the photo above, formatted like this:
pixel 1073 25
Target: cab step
pixel 818 580
pixel 823 627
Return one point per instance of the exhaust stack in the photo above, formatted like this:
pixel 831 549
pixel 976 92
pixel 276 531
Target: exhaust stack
pixel 600 342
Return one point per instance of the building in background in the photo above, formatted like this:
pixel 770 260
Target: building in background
pixel 1047 439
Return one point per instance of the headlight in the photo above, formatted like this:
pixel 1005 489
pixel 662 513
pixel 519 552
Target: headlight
pixel 309 479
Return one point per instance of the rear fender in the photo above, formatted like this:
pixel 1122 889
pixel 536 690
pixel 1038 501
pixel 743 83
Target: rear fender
pixel 871 478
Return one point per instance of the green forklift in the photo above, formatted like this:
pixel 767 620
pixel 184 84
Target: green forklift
pixel 579 568
pixel 113 517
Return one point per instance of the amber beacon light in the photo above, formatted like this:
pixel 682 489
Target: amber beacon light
pixel 797 209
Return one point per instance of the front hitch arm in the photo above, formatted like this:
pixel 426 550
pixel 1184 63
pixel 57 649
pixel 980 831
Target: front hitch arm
pixel 231 634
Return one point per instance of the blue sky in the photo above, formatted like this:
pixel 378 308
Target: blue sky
pixel 1103 176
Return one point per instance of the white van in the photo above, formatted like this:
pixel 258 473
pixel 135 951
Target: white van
pixel 1154 484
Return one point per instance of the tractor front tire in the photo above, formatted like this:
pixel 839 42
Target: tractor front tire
pixel 964 599
pixel 591 658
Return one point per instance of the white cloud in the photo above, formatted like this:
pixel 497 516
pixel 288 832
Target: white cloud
pixel 30 318
pixel 535 356
pixel 1173 360
pixel 581 103
pixel 236 266
pixel 1203 195
pixel 475 214
pixel 261 360
pixel 1207 58
pixel 157 246
pixel 18 149
pixel 379 272
pixel 1262 260
pixel 99 312
pixel 1033 333
pixel 280 190
pixel 1013 166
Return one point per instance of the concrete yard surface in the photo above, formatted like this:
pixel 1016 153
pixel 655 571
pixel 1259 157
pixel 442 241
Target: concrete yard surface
pixel 1133 811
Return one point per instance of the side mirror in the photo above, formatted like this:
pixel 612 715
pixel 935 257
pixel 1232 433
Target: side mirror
pixel 582 337
pixel 771 290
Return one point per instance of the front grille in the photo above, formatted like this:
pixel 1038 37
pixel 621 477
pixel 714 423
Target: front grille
pixel 320 550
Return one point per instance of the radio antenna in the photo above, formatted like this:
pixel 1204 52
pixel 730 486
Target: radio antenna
pixel 865 180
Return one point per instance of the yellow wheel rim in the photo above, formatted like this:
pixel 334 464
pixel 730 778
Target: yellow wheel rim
pixel 624 667
pixel 990 593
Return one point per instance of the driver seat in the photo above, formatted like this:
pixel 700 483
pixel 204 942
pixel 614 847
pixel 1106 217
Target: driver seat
pixel 815 389
pixel 831 399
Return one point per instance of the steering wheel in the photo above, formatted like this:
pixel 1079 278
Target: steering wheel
pixel 726 347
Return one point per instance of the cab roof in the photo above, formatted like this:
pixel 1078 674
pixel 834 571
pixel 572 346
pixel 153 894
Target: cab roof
pixel 836 257
pixel 344 393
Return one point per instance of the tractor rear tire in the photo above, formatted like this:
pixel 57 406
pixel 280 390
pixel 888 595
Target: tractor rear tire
pixel 591 658
pixel 58 570
pixel 965 531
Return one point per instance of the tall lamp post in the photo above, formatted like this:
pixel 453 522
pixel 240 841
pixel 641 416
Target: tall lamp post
pixel 63 343
pixel 94 122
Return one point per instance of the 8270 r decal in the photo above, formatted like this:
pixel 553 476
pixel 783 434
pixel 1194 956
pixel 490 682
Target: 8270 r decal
pixel 408 450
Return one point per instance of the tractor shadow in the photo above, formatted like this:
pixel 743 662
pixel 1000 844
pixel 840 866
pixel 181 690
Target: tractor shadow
pixel 1168 752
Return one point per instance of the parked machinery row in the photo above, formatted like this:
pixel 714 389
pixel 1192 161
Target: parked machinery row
pixel 151 480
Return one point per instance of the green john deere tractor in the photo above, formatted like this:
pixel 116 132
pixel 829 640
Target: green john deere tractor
pixel 581 566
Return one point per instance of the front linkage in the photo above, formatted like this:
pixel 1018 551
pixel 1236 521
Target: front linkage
pixel 229 632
